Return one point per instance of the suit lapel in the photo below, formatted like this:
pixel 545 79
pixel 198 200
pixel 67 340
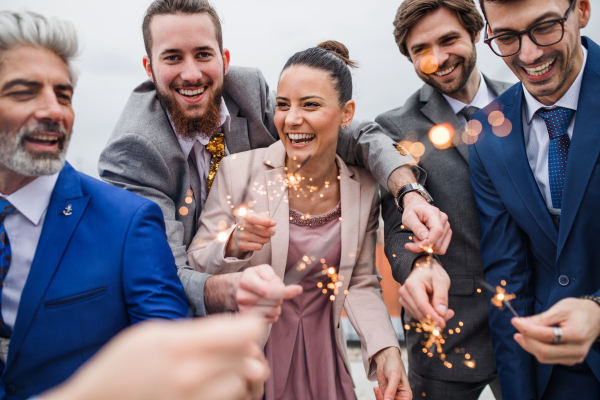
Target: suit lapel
pixel 439 112
pixel 350 198
pixel 585 146
pixel 236 135
pixel 56 234
pixel 515 160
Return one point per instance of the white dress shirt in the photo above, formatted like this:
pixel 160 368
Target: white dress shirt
pixel 535 132
pixel 483 97
pixel 24 227
pixel 202 155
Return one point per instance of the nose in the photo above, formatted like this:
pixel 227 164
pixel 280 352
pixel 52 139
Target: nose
pixel 294 117
pixel 49 108
pixel 440 55
pixel 190 70
pixel 529 50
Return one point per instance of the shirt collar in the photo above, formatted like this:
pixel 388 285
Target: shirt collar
pixel 186 145
pixel 570 99
pixel 481 99
pixel 32 199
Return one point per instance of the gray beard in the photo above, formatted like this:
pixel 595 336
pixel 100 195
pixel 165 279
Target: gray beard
pixel 14 156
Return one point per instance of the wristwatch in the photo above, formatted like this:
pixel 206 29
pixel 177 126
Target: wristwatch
pixel 412 187
pixel 595 299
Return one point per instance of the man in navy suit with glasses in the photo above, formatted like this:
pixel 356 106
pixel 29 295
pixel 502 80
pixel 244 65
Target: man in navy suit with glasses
pixel 535 170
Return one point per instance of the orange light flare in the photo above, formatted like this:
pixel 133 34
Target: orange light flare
pixel 429 64
pixel 242 211
pixel 222 236
pixel 441 136
pixel 501 298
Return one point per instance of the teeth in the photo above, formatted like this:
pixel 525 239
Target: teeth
pixel 446 71
pixel 300 136
pixel 45 138
pixel 541 70
pixel 192 92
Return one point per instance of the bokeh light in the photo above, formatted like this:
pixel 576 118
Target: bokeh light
pixel 441 136
pixel 222 236
pixel 503 130
pixel 417 149
pixel 183 211
pixel 496 118
pixel 429 64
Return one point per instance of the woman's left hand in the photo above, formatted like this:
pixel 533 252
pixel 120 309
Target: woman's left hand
pixel 391 376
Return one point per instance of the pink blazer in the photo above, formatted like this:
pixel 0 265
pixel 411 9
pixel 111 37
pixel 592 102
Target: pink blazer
pixel 359 194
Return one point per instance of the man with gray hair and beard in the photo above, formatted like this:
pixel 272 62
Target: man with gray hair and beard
pixel 80 260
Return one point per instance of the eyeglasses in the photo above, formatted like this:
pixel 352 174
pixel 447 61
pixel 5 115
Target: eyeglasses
pixel 545 33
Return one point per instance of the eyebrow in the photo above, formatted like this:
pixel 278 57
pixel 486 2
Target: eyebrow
pixel 23 82
pixel 541 18
pixel 177 51
pixel 313 96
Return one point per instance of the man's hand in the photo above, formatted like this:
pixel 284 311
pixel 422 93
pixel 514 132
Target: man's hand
pixel 217 358
pixel 261 291
pixel 425 292
pixel 428 223
pixel 391 376
pixel 579 321
pixel 251 234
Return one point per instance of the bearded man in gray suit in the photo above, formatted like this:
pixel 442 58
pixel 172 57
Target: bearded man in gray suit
pixel 438 37
pixel 195 109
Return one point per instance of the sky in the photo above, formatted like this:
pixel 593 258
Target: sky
pixel 258 33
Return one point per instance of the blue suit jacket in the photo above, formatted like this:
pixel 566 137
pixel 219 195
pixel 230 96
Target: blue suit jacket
pixel 95 272
pixel 521 244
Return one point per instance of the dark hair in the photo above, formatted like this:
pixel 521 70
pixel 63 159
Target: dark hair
pixel 496 1
pixel 411 11
pixel 331 57
pixel 168 7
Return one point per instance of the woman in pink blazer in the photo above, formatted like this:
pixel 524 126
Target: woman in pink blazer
pixel 314 220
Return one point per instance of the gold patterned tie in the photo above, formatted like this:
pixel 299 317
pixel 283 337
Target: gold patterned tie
pixel 216 148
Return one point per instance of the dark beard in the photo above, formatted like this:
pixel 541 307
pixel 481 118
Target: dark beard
pixel 468 67
pixel 187 127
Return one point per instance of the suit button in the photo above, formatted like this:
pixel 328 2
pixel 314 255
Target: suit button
pixel 11 389
pixel 563 280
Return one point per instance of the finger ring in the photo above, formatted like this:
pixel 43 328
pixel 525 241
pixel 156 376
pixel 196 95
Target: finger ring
pixel 557 335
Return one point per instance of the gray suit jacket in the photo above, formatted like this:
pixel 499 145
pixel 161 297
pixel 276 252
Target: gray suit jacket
pixel 449 184
pixel 144 156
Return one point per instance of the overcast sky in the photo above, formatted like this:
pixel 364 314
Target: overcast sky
pixel 258 33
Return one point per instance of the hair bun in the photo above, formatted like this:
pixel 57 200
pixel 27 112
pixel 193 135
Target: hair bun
pixel 339 50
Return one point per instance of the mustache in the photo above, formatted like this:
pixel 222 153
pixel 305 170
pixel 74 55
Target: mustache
pixel 544 58
pixel 43 127
pixel 199 82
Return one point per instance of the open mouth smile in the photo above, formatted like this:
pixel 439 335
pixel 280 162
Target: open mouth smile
pixel 300 139
pixel 44 141
pixel 446 71
pixel 191 93
pixel 539 70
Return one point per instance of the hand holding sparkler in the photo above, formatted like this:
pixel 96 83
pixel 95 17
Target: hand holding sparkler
pixel 425 292
pixel 251 234
pixel 578 321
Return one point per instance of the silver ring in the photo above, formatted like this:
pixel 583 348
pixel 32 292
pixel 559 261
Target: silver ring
pixel 557 335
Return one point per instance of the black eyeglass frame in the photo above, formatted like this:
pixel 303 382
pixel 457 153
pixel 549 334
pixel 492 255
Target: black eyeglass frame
pixel 488 40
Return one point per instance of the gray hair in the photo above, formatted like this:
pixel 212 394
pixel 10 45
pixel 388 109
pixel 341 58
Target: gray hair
pixel 25 28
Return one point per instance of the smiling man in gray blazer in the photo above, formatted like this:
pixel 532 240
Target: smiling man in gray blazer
pixel 195 109
pixel 438 37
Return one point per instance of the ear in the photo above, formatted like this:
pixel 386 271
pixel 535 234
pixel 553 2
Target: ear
pixel 477 37
pixel 585 10
pixel 348 112
pixel 226 58
pixel 148 67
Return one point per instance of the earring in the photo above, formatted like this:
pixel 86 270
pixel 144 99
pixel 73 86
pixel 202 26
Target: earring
pixel 344 126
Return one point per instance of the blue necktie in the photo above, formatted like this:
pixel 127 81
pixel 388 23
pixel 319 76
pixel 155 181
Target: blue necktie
pixel 5 210
pixel 557 121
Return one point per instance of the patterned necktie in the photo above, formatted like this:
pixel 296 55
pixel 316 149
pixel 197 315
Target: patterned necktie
pixel 557 121
pixel 216 148
pixel 5 210
pixel 468 112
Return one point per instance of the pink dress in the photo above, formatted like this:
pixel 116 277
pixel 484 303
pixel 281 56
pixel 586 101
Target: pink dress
pixel 301 349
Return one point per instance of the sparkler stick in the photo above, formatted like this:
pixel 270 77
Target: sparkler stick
pixel 501 297
pixel 302 164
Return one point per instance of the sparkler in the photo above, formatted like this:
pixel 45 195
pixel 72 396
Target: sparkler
pixel 501 297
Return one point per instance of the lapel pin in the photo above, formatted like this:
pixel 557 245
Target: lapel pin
pixel 67 211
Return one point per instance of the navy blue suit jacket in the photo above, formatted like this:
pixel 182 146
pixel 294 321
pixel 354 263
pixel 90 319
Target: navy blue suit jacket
pixel 104 267
pixel 520 243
